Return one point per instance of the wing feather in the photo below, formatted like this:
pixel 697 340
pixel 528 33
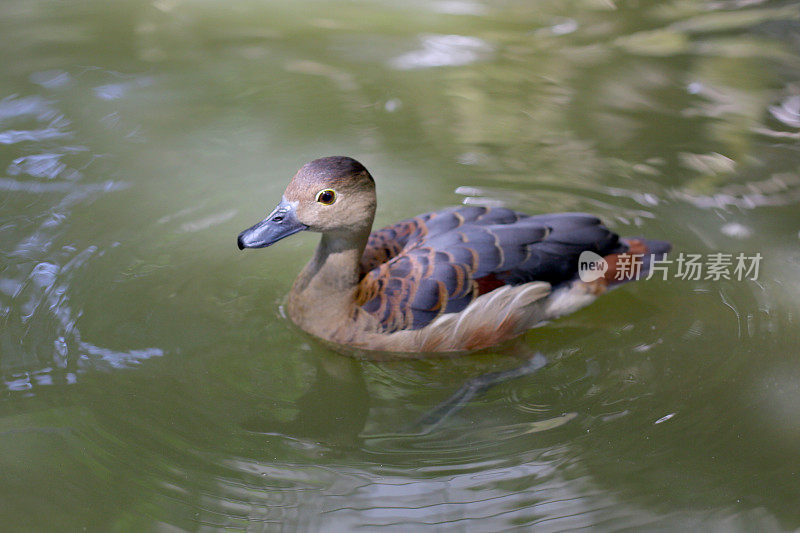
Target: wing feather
pixel 421 268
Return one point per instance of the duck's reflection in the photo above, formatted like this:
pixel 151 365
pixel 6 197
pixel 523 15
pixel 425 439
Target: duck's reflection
pixel 333 410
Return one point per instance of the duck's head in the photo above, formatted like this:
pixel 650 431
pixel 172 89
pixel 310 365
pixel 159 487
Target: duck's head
pixel 328 195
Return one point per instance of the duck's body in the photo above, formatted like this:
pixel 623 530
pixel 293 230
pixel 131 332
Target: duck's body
pixel 456 280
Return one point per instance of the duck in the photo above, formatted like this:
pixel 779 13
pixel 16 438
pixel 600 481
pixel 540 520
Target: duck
pixel 458 280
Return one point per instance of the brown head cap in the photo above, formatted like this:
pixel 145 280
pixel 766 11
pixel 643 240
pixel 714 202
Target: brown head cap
pixel 346 182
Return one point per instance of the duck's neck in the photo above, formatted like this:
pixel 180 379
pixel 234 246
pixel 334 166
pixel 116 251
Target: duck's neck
pixel 323 295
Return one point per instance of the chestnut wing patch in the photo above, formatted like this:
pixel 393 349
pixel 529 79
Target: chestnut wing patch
pixel 440 262
pixel 388 242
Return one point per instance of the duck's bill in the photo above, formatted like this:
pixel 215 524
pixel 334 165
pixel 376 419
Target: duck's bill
pixel 281 223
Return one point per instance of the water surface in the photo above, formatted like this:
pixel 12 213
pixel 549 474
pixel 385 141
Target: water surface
pixel 150 382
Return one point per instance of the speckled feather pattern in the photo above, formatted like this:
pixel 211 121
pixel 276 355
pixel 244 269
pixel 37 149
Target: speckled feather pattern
pixel 435 264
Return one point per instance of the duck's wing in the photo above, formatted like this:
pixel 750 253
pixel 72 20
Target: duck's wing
pixel 386 243
pixel 453 256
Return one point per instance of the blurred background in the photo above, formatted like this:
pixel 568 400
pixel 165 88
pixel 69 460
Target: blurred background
pixel 151 383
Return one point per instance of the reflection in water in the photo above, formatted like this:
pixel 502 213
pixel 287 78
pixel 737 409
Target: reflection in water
pixel 778 190
pixel 788 111
pixel 474 387
pixel 444 51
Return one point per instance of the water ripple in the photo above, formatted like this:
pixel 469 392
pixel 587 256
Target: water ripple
pixel 37 308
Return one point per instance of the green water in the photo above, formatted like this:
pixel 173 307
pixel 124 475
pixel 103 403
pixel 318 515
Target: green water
pixel 151 383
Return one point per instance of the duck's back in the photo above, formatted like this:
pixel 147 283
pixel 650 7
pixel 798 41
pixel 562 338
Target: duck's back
pixel 439 263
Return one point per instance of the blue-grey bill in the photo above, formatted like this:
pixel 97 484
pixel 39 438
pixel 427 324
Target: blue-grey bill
pixel 281 223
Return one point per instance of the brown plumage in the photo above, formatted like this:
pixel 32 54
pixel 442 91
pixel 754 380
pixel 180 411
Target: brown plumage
pixel 455 280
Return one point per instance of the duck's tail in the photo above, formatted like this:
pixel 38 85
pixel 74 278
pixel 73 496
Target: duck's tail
pixel 637 259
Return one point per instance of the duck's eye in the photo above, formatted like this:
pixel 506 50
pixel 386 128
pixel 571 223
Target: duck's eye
pixel 326 196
